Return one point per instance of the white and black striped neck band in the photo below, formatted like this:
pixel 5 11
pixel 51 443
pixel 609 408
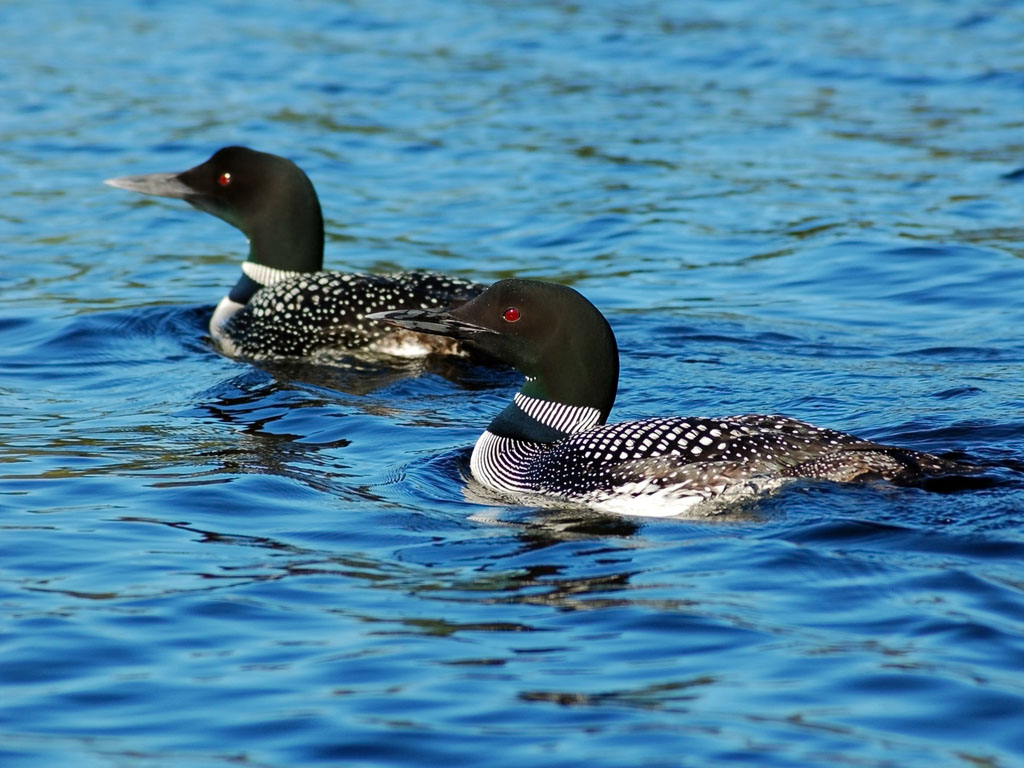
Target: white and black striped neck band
pixel 569 419
pixel 265 275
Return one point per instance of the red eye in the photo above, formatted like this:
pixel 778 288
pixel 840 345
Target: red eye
pixel 224 179
pixel 511 315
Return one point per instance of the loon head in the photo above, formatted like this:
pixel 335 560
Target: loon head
pixel 550 333
pixel 266 196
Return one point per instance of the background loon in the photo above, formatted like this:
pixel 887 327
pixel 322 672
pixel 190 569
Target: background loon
pixel 284 305
pixel 553 440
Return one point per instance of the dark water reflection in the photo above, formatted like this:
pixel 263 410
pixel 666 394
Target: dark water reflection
pixel 800 208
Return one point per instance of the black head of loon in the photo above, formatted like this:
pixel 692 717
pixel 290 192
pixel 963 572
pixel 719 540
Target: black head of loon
pixel 548 332
pixel 267 197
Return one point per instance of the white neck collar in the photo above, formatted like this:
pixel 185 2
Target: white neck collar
pixel 265 275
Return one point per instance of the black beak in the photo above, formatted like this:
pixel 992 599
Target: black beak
pixel 436 321
pixel 159 184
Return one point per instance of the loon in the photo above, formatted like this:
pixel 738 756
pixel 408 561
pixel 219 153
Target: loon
pixel 553 440
pixel 285 305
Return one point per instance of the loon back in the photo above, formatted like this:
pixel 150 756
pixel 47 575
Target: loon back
pixel 319 314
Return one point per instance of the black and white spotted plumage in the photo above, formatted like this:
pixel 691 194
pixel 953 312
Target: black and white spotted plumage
pixel 324 313
pixel 553 441
pixel 686 461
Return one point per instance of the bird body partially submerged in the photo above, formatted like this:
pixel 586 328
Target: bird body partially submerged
pixel 553 439
pixel 285 305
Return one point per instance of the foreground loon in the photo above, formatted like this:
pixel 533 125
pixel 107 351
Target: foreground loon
pixel 284 305
pixel 552 439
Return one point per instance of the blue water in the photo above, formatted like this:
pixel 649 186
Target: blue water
pixel 797 207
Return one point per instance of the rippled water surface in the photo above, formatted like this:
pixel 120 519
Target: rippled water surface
pixel 798 207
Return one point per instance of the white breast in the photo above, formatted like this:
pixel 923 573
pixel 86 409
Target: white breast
pixel 224 312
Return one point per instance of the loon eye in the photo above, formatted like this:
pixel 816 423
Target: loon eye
pixel 511 315
pixel 224 179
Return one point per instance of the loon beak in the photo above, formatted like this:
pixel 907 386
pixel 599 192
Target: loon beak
pixel 434 321
pixel 159 184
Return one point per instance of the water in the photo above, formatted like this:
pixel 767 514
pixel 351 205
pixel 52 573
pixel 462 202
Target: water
pixel 807 208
